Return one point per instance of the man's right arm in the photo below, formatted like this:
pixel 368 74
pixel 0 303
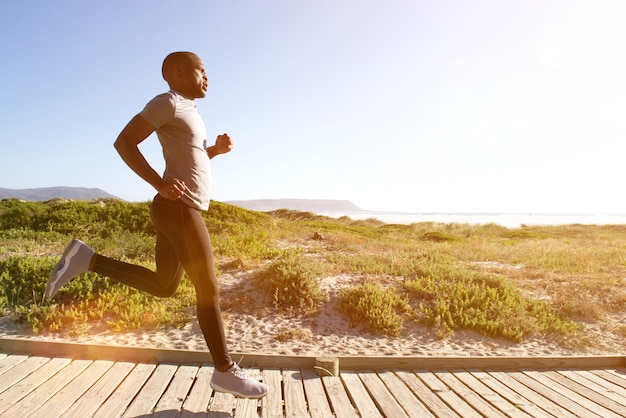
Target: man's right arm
pixel 127 145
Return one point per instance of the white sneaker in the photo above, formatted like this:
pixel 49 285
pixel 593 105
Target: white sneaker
pixel 74 261
pixel 237 382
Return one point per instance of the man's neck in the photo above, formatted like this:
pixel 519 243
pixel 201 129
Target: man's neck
pixel 181 94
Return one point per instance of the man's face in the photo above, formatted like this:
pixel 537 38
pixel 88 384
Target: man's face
pixel 194 79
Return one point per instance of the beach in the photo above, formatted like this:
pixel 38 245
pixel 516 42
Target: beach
pixel 508 220
pixel 255 329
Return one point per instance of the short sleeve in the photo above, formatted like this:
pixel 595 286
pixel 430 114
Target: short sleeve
pixel 159 110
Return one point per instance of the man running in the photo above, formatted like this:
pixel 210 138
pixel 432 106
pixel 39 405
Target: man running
pixel 183 243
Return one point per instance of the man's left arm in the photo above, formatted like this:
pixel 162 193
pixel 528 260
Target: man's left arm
pixel 223 145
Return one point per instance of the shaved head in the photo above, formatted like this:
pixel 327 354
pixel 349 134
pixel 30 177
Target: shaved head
pixel 185 73
pixel 176 59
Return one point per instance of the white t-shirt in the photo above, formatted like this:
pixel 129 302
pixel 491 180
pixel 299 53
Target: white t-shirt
pixel 182 134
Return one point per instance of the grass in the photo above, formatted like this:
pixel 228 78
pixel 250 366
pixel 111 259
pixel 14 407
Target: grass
pixel 516 284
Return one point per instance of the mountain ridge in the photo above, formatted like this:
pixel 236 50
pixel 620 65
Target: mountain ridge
pixel 307 205
pixel 58 192
pixel 260 205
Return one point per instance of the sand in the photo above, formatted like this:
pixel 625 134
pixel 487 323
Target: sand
pixel 255 329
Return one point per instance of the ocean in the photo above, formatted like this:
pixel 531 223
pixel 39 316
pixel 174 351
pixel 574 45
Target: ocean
pixel 509 220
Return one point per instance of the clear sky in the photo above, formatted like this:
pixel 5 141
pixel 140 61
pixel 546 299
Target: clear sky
pixel 406 105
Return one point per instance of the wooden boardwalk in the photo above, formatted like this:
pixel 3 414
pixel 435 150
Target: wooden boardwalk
pixel 74 380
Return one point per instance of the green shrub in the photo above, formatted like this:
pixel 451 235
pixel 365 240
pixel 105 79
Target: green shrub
pixel 461 299
pixel 87 299
pixel 17 214
pixel 438 236
pixel 379 309
pixel 99 217
pixel 238 232
pixel 293 283
pixel 23 279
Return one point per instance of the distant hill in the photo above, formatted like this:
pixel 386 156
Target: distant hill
pixel 260 205
pixel 306 205
pixel 47 193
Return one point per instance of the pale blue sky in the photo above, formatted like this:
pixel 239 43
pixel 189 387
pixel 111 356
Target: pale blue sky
pixel 407 105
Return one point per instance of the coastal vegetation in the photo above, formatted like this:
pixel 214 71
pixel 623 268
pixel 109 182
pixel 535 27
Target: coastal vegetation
pixel 513 283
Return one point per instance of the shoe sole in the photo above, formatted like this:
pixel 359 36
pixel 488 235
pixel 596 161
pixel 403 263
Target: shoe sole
pixel 220 389
pixel 61 267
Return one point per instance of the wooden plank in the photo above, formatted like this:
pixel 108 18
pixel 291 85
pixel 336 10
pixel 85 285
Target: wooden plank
pixel 147 398
pixel 586 385
pixel 606 385
pixel 145 354
pixel 70 393
pixel 618 376
pixel 571 395
pixel 272 403
pixel 434 404
pixel 319 406
pixel 448 396
pixel 597 377
pixel 248 408
pixel 611 376
pixel 489 395
pixel 385 401
pixel 20 370
pixel 359 395
pixel 513 397
pixel 338 397
pixel 295 401
pixel 19 390
pixel 411 404
pixel 177 391
pixel 530 394
pixel 41 394
pixel 136 354
pixel 9 361
pixel 467 394
pixel 116 404
pixel 554 396
pixel 91 400
pixel 221 403
pixel 477 362
pixel 198 400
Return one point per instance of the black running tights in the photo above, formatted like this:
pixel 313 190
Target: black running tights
pixel 183 244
